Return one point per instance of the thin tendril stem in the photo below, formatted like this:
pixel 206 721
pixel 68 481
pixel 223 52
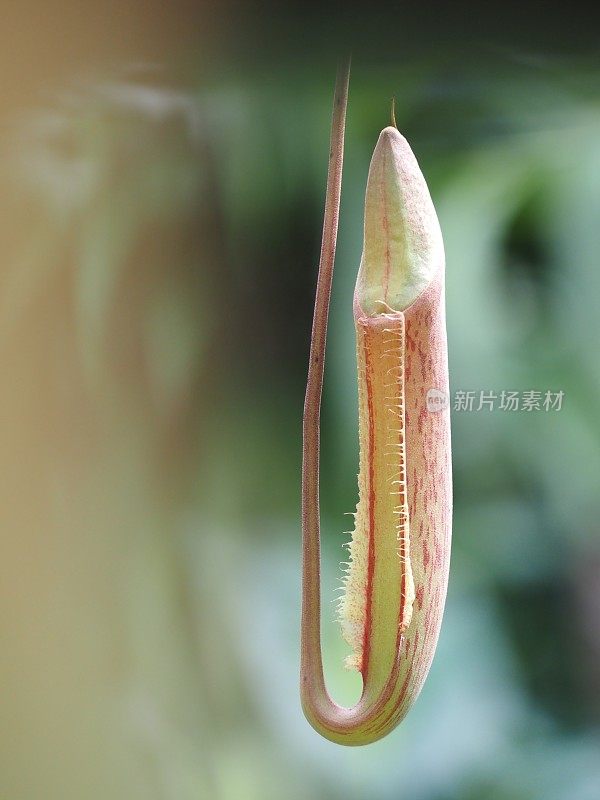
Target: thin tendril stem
pixel 311 645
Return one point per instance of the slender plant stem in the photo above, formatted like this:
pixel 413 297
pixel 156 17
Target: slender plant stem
pixel 311 601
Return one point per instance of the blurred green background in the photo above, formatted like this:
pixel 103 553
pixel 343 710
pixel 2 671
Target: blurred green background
pixel 163 172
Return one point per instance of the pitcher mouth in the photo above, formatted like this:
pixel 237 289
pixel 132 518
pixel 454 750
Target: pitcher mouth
pixel 384 310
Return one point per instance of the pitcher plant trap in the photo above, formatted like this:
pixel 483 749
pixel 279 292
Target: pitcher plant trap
pixel 394 587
